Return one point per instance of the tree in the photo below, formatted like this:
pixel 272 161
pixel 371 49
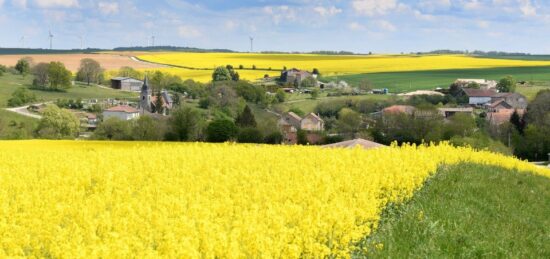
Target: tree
pixel 309 82
pixel 23 66
pixel 474 85
pixel 280 96
pixel 129 72
pixel 221 74
pixel 314 94
pixel 221 130
pixel 3 69
pixel 41 75
pixel 57 123
pixel 20 97
pixel 349 121
pixel 59 76
pixel 518 122
pixel 301 136
pixel 274 138
pixel 365 85
pixel 246 118
pixel 176 99
pixel 507 85
pixel 147 128
pixel 316 72
pixel 250 135
pixel 90 71
pixel 460 124
pixel 159 103
pixel 185 124
pixel 113 129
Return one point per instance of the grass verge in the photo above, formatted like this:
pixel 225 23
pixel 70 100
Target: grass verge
pixel 468 211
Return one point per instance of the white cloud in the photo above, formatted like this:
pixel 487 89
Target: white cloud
pixel 355 26
pixel 385 25
pixel 327 11
pixel 435 4
pixel 483 24
pixel 280 13
pixel 188 32
pixel 108 8
pixel 421 16
pixel 56 3
pixel 231 25
pixel 19 3
pixel 527 8
pixel 472 5
pixel 374 7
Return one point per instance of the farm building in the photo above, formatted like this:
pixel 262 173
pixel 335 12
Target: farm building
pixel 294 76
pixel 122 112
pixel 479 96
pixel 483 83
pixel 126 84
pixel 514 100
pixel 449 112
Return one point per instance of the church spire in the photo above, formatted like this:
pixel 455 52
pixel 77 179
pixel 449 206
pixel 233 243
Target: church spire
pixel 145 86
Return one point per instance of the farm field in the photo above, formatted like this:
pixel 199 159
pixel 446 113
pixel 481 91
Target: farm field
pixel 9 83
pixel 109 199
pixel 475 218
pixel 72 61
pixel 333 65
pixel 399 82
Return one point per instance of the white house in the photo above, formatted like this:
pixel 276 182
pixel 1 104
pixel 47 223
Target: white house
pixel 479 96
pixel 122 112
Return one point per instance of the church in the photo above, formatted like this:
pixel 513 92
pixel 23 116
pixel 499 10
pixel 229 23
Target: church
pixel 148 101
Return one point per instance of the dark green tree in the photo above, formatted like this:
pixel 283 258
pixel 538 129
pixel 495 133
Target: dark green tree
pixel 159 103
pixel 518 122
pixel 280 96
pixel 113 129
pixel 23 66
pixel 185 124
pixel 221 130
pixel 250 135
pixel 20 97
pixel 147 128
pixel 221 74
pixel 507 85
pixel 246 118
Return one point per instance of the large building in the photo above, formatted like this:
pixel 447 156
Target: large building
pixel 294 76
pixel 290 123
pixel 148 101
pixel 126 84
pixel 122 112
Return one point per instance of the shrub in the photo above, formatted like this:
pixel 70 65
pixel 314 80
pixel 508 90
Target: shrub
pixel 250 135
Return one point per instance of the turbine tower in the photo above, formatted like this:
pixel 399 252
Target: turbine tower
pixel 251 44
pixel 81 42
pixel 22 41
pixel 51 39
pixel 153 41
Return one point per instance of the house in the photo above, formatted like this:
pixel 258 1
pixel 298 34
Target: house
pixel 362 143
pixel 499 117
pixel 294 76
pixel 126 84
pixel 122 112
pixel 397 109
pixel 483 83
pixel 479 96
pixel 290 123
pixel 449 112
pixel 312 122
pixel 515 100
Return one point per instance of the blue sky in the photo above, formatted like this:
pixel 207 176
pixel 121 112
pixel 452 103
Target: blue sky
pixel 381 26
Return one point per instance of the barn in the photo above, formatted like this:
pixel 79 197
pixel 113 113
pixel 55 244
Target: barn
pixel 126 84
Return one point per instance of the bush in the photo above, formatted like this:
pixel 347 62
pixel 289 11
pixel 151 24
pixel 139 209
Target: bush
pixel 221 130
pixel 250 135
pixel 21 97
pixel 57 123
pixel 274 138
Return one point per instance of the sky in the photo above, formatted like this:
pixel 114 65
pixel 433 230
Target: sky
pixel 379 26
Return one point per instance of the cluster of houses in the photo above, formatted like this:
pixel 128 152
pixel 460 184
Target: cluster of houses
pixel 498 107
pixel 147 105
pixel 311 125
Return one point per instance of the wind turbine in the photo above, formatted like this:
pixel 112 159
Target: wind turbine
pixel 251 43
pixel 153 41
pixel 81 42
pixel 51 39
pixel 22 41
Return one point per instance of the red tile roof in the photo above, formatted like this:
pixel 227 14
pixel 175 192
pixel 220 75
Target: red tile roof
pixel 400 109
pixel 479 92
pixel 123 108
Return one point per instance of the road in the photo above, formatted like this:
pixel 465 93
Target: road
pixel 23 110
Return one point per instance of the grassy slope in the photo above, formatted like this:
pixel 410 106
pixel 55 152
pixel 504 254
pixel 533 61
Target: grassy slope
pixel 410 81
pixel 9 82
pixel 15 126
pixel 470 211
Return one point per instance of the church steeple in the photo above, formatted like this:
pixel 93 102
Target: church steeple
pixel 145 96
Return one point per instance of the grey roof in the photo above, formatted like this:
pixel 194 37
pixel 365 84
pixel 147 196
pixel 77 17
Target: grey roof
pixel 126 79
pixel 166 96
pixel 145 86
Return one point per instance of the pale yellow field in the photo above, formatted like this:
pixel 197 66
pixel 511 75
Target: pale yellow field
pixel 332 64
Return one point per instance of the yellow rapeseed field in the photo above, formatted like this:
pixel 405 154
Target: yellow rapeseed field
pixel 69 199
pixel 330 64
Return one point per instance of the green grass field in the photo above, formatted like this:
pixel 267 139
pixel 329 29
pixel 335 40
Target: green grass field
pixel 9 83
pixel 399 82
pixel 15 126
pixel 469 211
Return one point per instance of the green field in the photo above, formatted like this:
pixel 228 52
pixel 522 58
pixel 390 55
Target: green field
pixel 9 83
pixel 399 82
pixel 15 126
pixel 469 211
